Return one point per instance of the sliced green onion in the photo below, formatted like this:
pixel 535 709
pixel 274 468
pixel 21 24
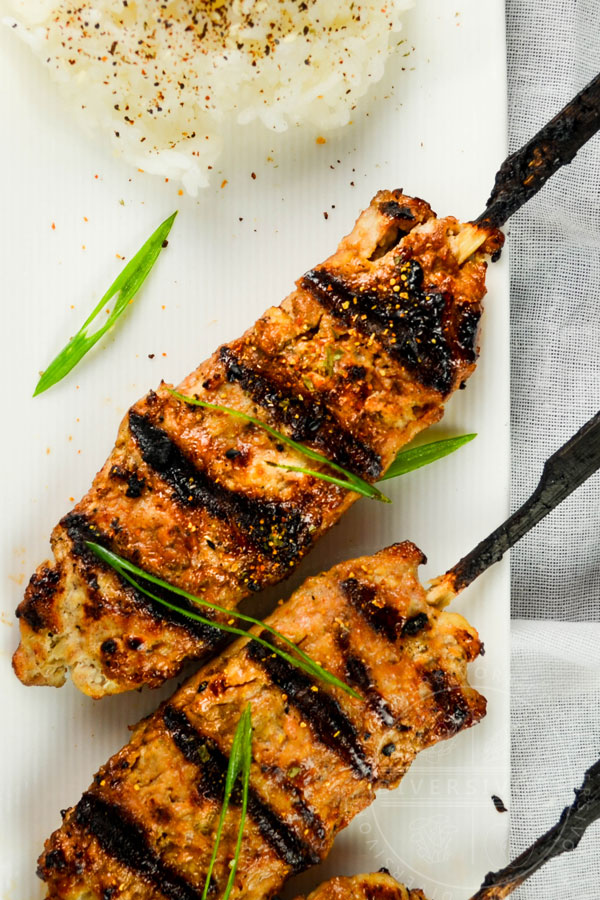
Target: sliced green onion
pixel 322 475
pixel 126 285
pixel 301 659
pixel 350 482
pixel 410 459
pixel 239 765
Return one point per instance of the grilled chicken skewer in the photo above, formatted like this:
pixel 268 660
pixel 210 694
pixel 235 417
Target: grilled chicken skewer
pixel 561 838
pixel 145 827
pixel 354 363
pixel 358 360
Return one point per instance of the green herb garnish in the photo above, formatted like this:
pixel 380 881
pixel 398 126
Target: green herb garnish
pixel 126 285
pixel 410 459
pixel 239 765
pixel 350 481
pixel 301 659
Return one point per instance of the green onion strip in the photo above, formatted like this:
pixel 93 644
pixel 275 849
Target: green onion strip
pixel 126 286
pixel 406 460
pixel 351 481
pixel 240 759
pixel 301 659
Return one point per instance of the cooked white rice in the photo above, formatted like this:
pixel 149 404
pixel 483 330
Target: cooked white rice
pixel 160 77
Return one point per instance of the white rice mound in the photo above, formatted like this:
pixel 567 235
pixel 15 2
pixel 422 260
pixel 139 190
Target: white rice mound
pixel 160 77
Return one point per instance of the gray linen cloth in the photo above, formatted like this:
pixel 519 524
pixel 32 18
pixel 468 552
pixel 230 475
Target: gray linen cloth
pixel 553 51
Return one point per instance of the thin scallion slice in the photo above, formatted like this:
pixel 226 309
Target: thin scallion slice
pixel 240 759
pixel 414 458
pixel 297 657
pixel 350 481
pixel 125 286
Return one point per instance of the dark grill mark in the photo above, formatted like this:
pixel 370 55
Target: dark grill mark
pixel 322 712
pixel 309 421
pixel 453 706
pixel 125 840
pixel 384 619
pixel 36 607
pixel 415 325
pixel 80 530
pixel 357 675
pixel 202 752
pixel 278 532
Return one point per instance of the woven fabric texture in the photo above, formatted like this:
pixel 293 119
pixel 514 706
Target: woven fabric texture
pixel 553 51
pixel 555 699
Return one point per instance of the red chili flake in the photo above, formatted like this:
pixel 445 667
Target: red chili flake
pixel 224 182
pixel 253 176
pixel 53 226
pixel 151 356
pixel 325 215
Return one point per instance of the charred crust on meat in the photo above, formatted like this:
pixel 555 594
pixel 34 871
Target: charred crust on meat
pixel 455 712
pixel 36 606
pixel 383 618
pixel 124 839
pixel 419 328
pixel 135 485
pixel 393 210
pixel 80 530
pixel 321 711
pixel 109 647
pixel 212 770
pixel 277 530
pixel 309 420
pixel 355 373
pixel 415 624
pixel 55 859
pixel 134 643
pixel 466 330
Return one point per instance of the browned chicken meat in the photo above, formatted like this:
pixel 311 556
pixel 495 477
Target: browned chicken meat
pixel 354 363
pixel 374 886
pixel 145 828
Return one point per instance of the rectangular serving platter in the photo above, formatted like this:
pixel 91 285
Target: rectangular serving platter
pixel 436 126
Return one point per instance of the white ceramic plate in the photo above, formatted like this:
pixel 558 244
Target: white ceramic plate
pixel 435 126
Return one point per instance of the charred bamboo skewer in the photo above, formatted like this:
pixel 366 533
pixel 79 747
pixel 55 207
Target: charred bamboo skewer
pixel 525 172
pixel 561 838
pixel 563 472
pixel 358 360
pixel 144 828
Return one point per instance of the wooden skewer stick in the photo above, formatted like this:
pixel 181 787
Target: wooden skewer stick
pixel 566 469
pixel 523 173
pixel 561 838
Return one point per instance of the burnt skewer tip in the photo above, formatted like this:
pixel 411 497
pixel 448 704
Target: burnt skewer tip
pixel 523 173
pixel 563 472
pixel 561 838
